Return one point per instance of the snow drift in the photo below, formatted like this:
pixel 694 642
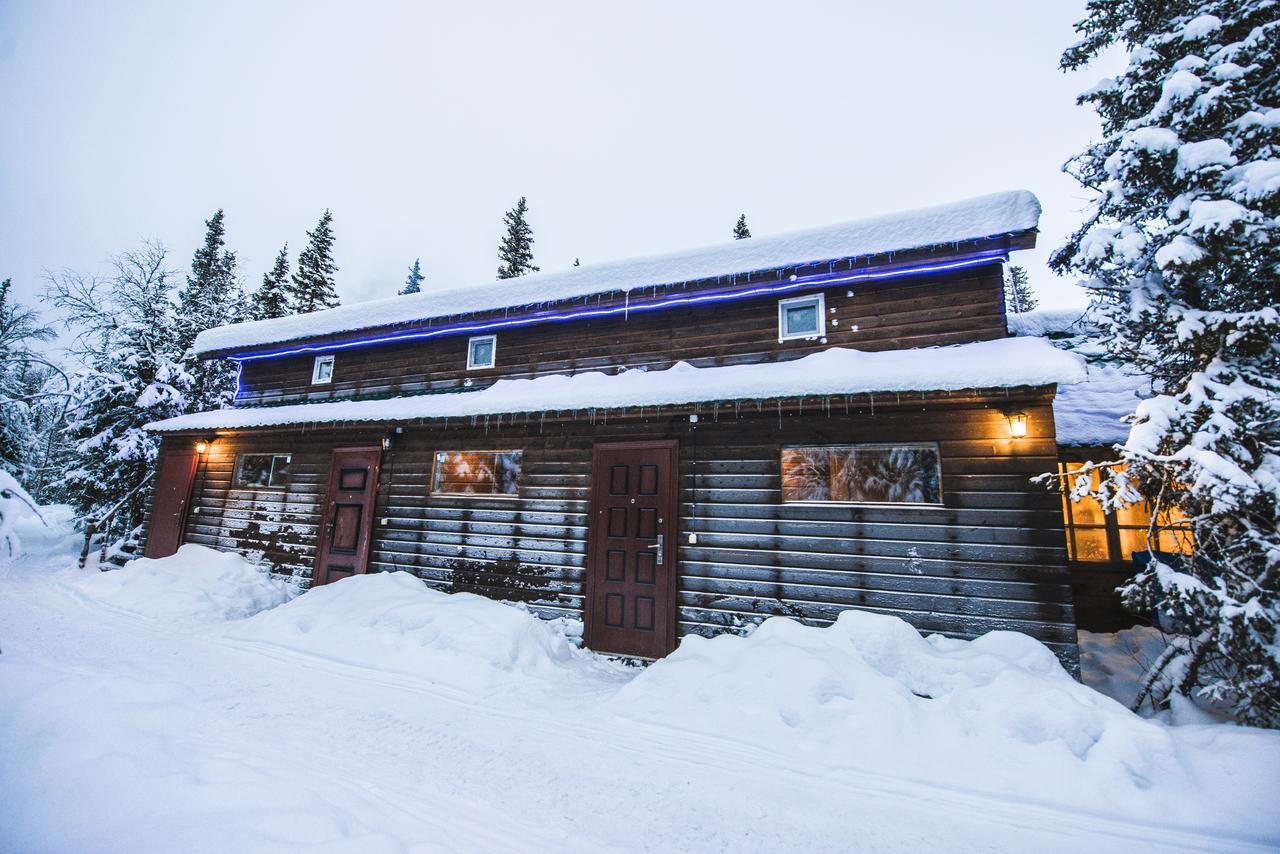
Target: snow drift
pixel 867 695
pixel 392 622
pixel 195 585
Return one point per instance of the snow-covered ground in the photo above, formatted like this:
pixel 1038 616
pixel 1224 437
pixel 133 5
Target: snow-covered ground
pixel 195 704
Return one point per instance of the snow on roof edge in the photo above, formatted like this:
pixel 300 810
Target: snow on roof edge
pixel 1002 363
pixel 991 215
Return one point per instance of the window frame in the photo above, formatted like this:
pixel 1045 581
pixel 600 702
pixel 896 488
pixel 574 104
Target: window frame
pixel 493 353
pixel 1111 527
pixel 329 359
pixel 240 457
pixel 820 299
pixel 489 496
pixel 933 446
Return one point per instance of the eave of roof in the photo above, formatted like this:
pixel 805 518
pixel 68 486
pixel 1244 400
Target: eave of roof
pixel 993 216
pixel 1002 363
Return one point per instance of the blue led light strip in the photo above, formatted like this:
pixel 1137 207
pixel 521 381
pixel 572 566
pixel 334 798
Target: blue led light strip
pixel 794 283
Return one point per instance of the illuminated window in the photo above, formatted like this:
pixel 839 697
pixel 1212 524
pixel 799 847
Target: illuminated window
pixel 263 471
pixel 322 370
pixel 477 473
pixel 1097 537
pixel 863 474
pixel 482 352
pixel 801 317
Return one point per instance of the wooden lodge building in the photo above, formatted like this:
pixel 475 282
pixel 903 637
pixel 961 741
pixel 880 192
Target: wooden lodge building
pixel 791 425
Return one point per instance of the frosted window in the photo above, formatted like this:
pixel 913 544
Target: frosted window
pixel 863 474
pixel 801 317
pixel 263 470
pixel 481 352
pixel 477 473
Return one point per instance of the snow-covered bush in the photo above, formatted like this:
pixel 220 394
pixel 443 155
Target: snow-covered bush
pixel 14 505
pixel 1182 254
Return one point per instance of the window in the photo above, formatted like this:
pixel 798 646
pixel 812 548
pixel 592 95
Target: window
pixel 476 473
pixel 263 471
pixel 802 317
pixel 482 352
pixel 1097 537
pixel 322 370
pixel 863 474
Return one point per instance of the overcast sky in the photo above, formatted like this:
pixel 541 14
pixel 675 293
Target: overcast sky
pixel 632 129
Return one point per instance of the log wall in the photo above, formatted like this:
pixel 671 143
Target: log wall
pixel 926 312
pixel 992 557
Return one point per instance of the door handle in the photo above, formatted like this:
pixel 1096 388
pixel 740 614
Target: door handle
pixel 658 546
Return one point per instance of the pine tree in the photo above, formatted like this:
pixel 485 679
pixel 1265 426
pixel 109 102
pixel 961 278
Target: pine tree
pixel 413 284
pixel 1018 296
pixel 127 341
pixel 1181 252
pixel 740 230
pixel 271 299
pixel 577 263
pixel 312 286
pixel 211 297
pixel 516 250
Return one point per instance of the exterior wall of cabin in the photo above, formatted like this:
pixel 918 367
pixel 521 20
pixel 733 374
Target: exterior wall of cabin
pixel 992 557
pixel 938 310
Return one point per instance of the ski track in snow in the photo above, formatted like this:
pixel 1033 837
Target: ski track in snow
pixel 217 745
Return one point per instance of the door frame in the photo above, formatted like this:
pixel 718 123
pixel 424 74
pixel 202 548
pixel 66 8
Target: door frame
pixel 595 542
pixel 185 510
pixel 326 512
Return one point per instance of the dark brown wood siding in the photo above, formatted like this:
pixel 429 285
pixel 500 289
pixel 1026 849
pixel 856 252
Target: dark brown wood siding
pixel 991 558
pixel 953 309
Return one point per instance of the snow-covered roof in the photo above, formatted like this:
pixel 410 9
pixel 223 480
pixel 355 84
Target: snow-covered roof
pixel 1003 363
pixel 985 216
pixel 1090 411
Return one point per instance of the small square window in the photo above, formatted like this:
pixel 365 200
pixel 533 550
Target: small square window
pixel 322 370
pixel 802 317
pixel 482 352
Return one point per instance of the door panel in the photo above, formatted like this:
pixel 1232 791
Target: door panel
pixel 177 472
pixel 631 569
pixel 347 524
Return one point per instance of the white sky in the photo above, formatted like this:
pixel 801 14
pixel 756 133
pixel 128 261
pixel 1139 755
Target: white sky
pixel 632 129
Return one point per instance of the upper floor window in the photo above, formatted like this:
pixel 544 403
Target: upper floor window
pixel 1095 536
pixel 477 473
pixel 322 370
pixel 263 470
pixel 906 473
pixel 802 317
pixel 482 352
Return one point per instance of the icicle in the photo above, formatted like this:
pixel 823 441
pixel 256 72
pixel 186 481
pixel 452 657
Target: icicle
pixel 779 413
pixel 626 305
pixel 542 420
pixel 873 403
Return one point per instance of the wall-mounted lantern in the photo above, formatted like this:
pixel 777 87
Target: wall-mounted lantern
pixel 1017 424
pixel 202 446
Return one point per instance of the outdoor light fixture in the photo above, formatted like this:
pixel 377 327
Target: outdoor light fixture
pixel 202 446
pixel 1017 424
pixel 386 442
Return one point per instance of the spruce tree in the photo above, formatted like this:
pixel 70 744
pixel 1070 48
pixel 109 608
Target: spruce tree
pixel 740 230
pixel 211 297
pixel 22 375
pixel 1181 252
pixel 271 299
pixel 516 250
pixel 413 284
pixel 312 286
pixel 1018 296
pixel 577 263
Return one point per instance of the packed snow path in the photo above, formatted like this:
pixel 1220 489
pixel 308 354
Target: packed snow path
pixel 123 734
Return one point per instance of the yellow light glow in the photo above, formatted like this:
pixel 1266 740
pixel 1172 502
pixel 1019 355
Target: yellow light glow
pixel 201 447
pixel 1017 424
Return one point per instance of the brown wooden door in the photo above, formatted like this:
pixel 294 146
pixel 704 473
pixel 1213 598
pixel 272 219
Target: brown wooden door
pixel 177 472
pixel 631 562
pixel 347 522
